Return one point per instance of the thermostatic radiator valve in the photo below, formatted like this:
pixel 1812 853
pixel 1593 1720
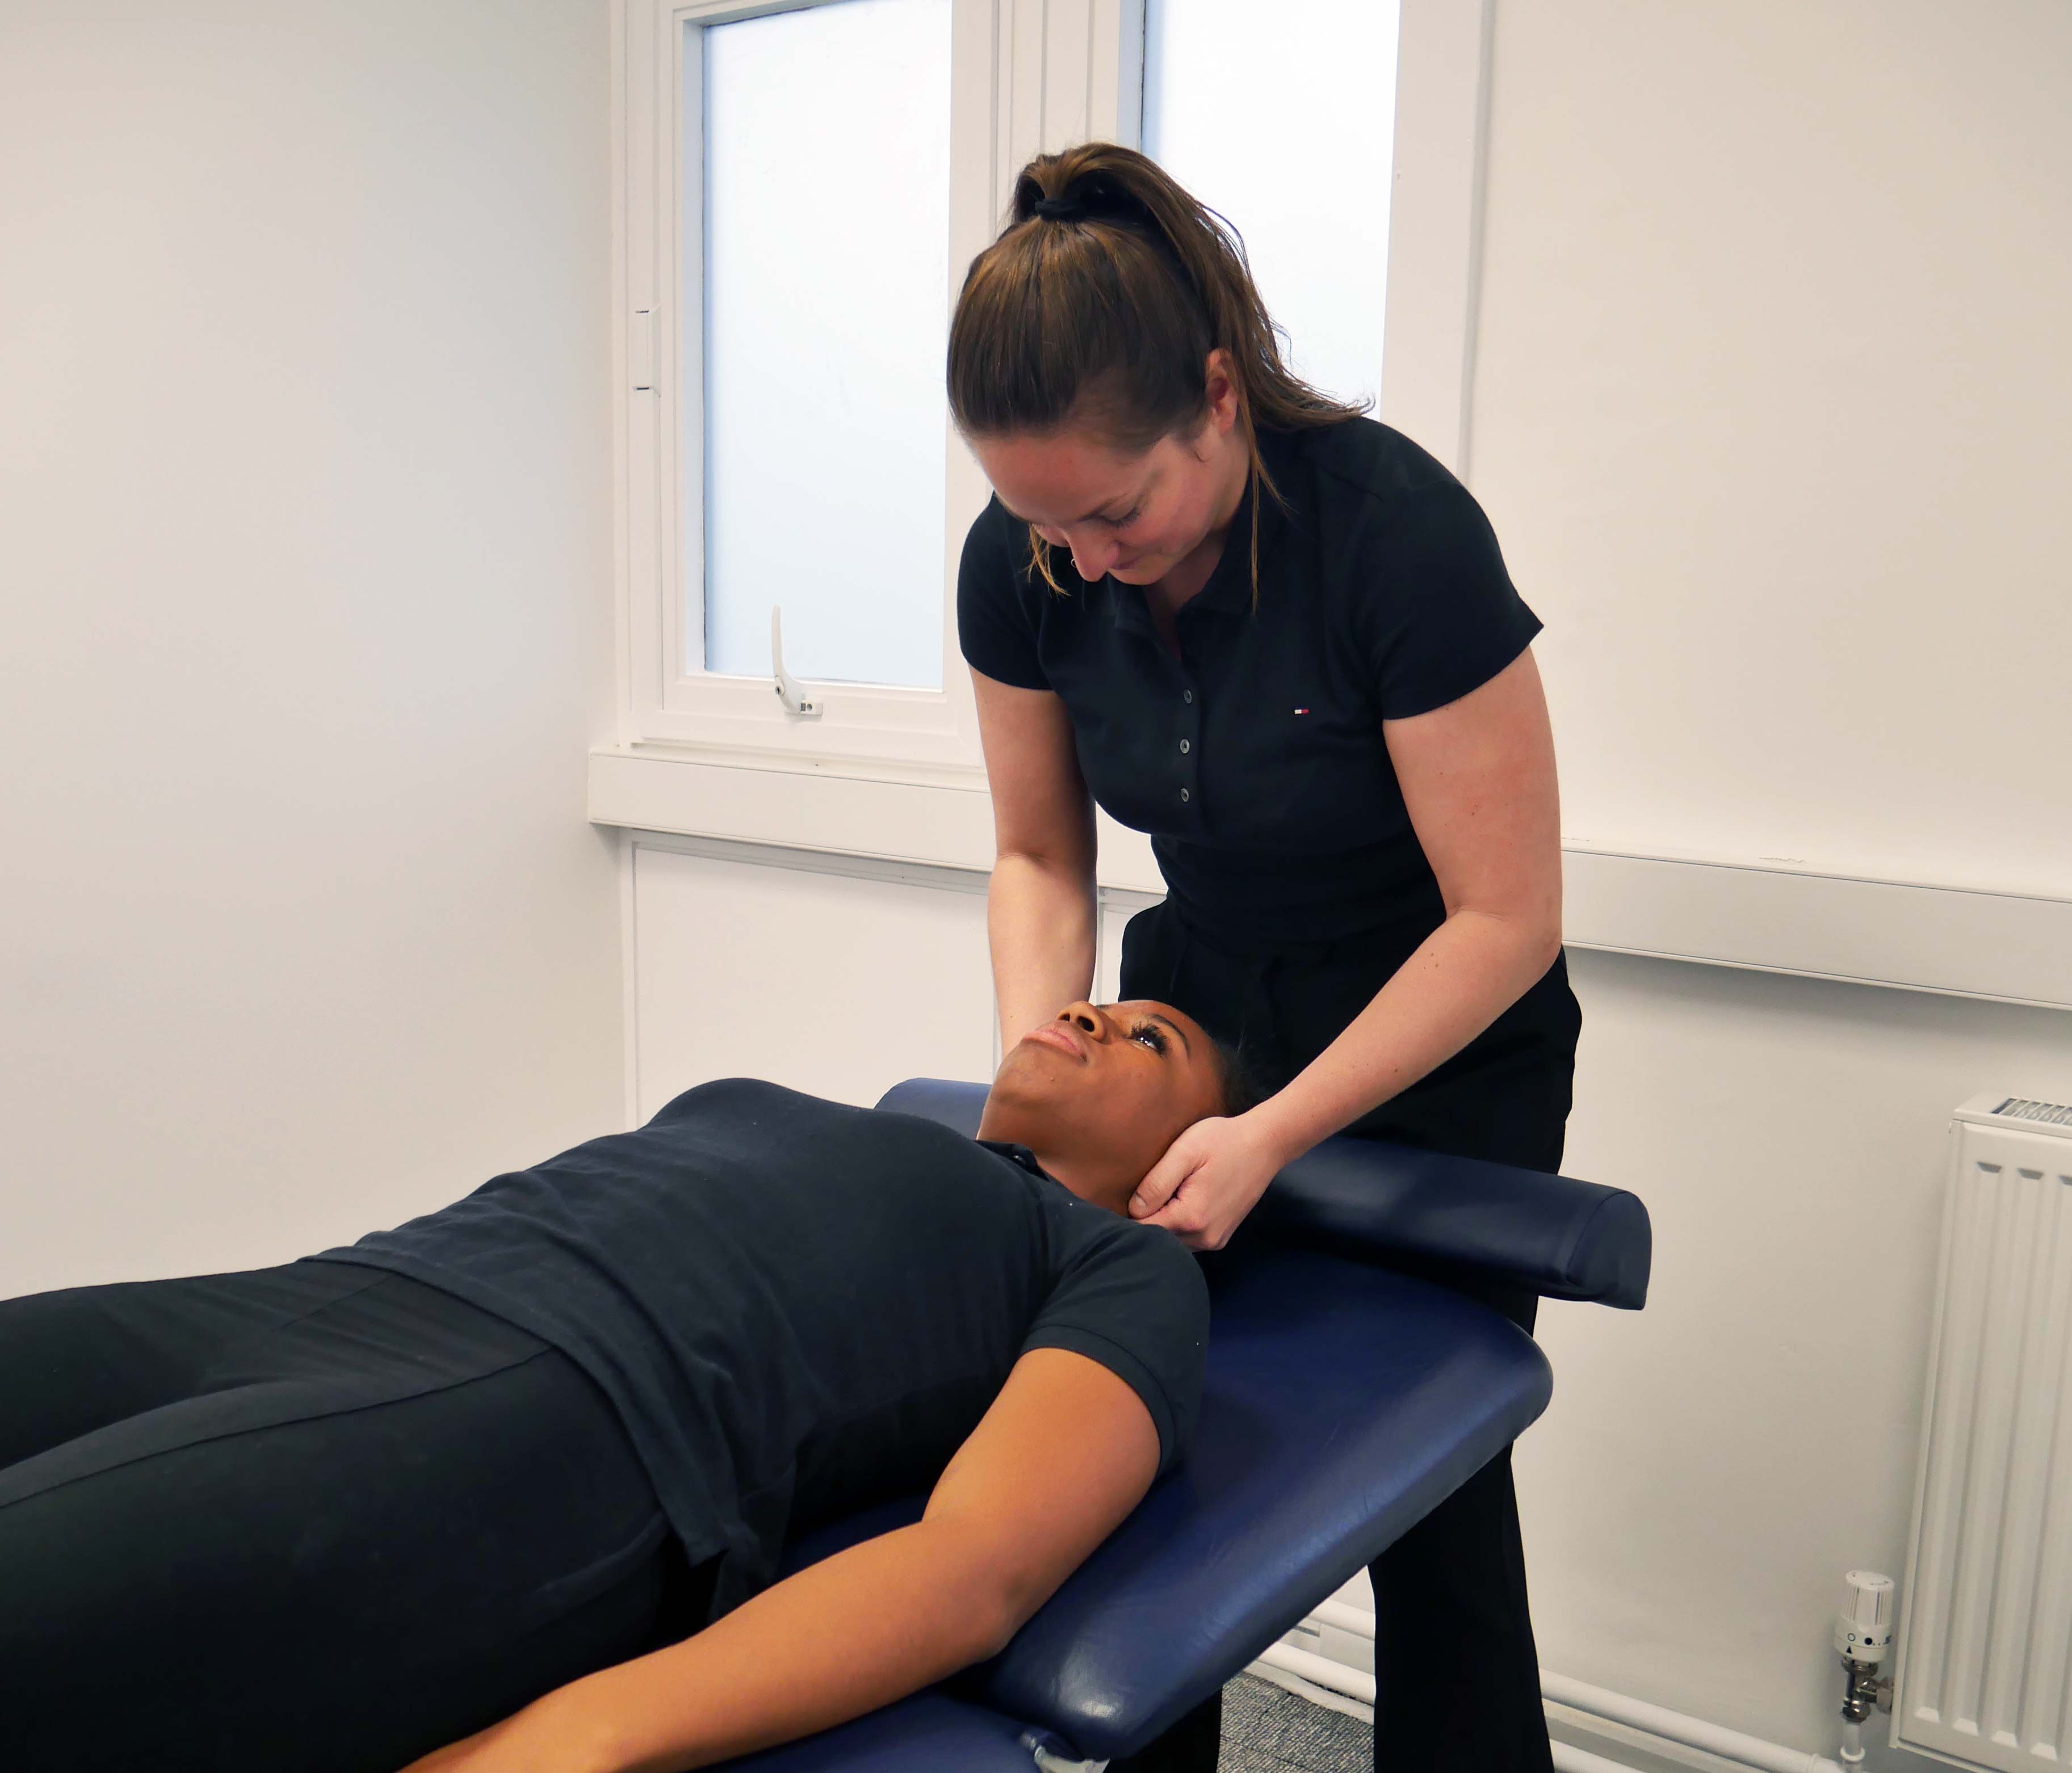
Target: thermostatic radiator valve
pixel 1863 1637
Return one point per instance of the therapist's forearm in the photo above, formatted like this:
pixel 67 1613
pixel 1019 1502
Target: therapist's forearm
pixel 1040 923
pixel 1463 975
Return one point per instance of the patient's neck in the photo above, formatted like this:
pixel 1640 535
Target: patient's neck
pixel 1098 1184
pixel 1099 1164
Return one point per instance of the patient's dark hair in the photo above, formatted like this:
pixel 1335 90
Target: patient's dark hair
pixel 1245 1084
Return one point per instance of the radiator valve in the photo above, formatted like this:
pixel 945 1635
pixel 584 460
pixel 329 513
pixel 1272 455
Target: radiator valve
pixel 1863 1637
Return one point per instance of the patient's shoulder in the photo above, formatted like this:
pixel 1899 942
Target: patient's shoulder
pixel 1086 1236
pixel 1132 1297
pixel 749 1095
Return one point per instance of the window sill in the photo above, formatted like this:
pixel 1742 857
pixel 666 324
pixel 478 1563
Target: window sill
pixel 938 817
pixel 2010 947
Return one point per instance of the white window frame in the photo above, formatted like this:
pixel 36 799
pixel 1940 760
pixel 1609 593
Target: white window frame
pixel 1435 223
pixel 1004 59
pixel 1027 76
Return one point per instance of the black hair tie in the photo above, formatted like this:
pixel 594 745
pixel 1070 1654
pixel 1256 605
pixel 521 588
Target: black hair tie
pixel 1059 209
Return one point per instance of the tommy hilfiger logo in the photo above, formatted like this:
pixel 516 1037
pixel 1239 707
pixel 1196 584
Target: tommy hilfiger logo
pixel 1301 711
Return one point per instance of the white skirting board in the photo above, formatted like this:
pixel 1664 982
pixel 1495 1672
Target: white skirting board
pixel 1330 1657
pixel 2007 947
pixel 1581 1743
pixel 1329 1698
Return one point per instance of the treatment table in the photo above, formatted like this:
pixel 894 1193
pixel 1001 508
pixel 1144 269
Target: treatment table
pixel 1343 1401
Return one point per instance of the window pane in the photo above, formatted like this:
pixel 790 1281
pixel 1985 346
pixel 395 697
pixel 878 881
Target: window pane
pixel 826 275
pixel 1290 137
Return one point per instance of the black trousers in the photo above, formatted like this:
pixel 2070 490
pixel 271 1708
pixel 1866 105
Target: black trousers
pixel 316 1517
pixel 1456 1671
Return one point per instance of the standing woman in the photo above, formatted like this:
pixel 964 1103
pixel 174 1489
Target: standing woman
pixel 1278 637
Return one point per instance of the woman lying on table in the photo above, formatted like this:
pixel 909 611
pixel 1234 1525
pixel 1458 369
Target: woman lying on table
pixel 506 1488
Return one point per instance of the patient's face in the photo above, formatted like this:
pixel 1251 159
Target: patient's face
pixel 1110 1084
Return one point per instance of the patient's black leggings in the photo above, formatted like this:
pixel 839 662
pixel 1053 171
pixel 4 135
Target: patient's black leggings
pixel 316 1517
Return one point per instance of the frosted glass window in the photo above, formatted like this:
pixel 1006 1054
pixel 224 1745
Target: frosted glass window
pixel 1283 119
pixel 825 268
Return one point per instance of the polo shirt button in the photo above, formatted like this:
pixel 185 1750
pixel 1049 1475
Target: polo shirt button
pixel 1183 748
pixel 1189 696
pixel 1183 796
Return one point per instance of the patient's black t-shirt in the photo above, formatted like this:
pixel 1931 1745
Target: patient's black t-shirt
pixel 799 1308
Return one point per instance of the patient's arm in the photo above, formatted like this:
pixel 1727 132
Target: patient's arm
pixel 1065 1453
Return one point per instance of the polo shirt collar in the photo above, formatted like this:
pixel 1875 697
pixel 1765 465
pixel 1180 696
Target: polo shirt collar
pixel 1019 1155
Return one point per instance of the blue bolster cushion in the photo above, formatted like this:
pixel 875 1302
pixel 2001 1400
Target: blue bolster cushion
pixel 1548 1234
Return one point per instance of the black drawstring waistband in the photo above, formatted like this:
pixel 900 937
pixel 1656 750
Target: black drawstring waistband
pixel 1256 1033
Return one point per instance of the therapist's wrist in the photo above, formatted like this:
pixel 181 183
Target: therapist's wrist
pixel 1282 1136
pixel 1304 1113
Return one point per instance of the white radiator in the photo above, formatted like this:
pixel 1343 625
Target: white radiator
pixel 1985 1671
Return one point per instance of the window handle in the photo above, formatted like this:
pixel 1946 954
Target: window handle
pixel 788 689
pixel 640 351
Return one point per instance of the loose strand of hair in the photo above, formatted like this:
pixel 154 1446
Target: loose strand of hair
pixel 1039 562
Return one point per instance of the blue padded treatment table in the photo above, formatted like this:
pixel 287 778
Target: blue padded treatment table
pixel 1343 1401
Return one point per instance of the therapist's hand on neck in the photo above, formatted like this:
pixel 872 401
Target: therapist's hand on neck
pixel 1210 1178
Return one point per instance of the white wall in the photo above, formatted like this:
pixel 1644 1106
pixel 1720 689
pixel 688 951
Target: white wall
pixel 825 974
pixel 1775 291
pixel 1773 409
pixel 305 532
pixel 1709 1468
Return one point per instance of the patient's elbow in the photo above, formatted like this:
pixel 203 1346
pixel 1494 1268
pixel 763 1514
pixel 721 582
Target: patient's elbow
pixel 981 1591
pixel 1001 1611
pixel 987 1644
pixel 994 1622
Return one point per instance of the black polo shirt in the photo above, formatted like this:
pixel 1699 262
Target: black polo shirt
pixel 799 1308
pixel 1256 759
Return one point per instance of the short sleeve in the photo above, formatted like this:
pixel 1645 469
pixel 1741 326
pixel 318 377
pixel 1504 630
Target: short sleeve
pixel 1133 1299
pixel 1434 608
pixel 996 622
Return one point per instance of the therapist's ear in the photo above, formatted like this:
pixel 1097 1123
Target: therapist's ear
pixel 1220 386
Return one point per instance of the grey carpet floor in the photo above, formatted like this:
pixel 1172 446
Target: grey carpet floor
pixel 1267 1729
